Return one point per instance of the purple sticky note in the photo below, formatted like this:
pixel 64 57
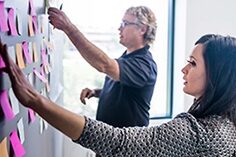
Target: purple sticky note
pixel 31 115
pixel 3 18
pixel 11 21
pixel 2 64
pixel 5 104
pixel 26 52
pixel 16 144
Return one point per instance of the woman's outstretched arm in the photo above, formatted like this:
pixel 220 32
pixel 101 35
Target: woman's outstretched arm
pixel 67 122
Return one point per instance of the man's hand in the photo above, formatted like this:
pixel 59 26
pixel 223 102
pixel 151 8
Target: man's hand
pixel 86 93
pixel 58 19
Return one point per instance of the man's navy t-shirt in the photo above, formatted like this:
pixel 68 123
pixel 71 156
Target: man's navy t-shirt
pixel 127 102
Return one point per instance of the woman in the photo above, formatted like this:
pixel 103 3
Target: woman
pixel 208 129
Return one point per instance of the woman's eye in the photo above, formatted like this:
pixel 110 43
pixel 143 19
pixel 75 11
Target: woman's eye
pixel 191 62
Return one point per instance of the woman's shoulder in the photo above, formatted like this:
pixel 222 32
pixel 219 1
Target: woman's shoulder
pixel 212 123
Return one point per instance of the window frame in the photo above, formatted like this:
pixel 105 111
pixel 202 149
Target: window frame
pixel 170 62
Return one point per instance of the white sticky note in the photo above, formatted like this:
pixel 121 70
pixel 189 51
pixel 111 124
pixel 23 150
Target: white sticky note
pixel 20 127
pixel 14 101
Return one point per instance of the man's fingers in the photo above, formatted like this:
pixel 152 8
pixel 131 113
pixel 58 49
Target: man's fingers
pixel 90 94
pixel 82 97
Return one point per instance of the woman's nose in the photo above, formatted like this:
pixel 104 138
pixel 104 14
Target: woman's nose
pixel 184 70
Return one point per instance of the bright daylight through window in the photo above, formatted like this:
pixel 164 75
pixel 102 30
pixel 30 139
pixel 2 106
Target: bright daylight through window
pixel 99 21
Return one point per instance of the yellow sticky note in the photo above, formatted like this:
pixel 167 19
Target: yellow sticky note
pixel 3 148
pixel 19 56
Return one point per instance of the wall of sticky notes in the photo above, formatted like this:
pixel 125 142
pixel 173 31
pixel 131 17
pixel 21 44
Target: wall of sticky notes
pixel 24 28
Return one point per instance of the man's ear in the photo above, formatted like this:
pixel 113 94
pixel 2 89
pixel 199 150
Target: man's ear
pixel 143 29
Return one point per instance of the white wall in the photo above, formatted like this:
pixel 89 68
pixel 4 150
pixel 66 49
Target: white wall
pixel 194 18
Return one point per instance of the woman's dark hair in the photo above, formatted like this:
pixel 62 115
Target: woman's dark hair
pixel 219 98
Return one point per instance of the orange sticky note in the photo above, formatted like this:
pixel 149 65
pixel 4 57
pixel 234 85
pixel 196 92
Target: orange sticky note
pixel 3 148
pixel 19 56
pixel 30 26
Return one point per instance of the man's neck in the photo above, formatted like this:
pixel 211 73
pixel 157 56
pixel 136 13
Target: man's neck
pixel 130 50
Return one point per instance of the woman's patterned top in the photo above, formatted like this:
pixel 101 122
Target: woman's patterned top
pixel 184 136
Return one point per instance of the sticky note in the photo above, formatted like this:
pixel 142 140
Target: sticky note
pixel 12 52
pixel 12 23
pixel 30 26
pixel 31 8
pixel 14 102
pixel 2 64
pixel 3 148
pixel 19 56
pixel 16 144
pixel 44 56
pixel 35 24
pixel 35 53
pixel 26 52
pixel 5 104
pixel 21 130
pixel 41 77
pixel 31 115
pixel 19 24
pixel 3 18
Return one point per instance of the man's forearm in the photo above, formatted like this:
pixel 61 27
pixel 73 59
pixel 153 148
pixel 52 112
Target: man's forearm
pixel 92 54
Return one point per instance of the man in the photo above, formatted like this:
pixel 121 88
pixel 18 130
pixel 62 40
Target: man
pixel 125 98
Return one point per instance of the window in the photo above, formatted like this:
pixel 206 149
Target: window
pixel 99 21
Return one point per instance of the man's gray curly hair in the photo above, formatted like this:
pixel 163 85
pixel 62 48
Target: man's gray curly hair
pixel 146 17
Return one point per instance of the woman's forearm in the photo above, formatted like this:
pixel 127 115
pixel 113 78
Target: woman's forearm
pixel 67 122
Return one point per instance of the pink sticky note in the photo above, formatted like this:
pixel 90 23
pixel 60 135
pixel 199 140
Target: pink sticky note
pixel 26 52
pixel 6 107
pixel 16 145
pixel 2 64
pixel 44 57
pixel 12 23
pixel 34 18
pixel 41 77
pixel 31 115
pixel 3 18
pixel 31 8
